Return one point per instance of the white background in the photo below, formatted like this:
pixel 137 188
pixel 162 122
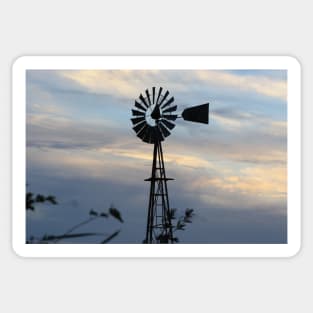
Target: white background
pixel 162 28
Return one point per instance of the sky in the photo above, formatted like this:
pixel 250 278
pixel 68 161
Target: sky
pixel 233 172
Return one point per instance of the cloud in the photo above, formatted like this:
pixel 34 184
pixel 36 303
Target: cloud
pixel 258 181
pixel 210 224
pixel 259 84
pixel 127 83
pixel 62 133
pixel 213 183
pixel 120 83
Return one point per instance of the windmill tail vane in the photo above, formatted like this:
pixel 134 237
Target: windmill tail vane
pixel 153 118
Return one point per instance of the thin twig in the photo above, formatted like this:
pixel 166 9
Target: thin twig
pixel 90 219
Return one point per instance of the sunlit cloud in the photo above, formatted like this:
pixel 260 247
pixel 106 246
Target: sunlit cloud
pixel 127 83
pixel 262 85
pixel 59 131
pixel 118 83
pixel 261 182
pixel 229 123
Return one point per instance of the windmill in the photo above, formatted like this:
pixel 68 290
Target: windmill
pixel 153 117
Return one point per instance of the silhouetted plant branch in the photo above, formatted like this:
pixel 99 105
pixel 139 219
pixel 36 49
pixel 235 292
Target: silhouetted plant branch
pixel 181 224
pixel 184 220
pixel 106 240
pixel 93 215
pixel 31 200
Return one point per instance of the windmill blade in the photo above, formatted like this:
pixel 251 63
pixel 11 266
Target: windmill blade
pixel 144 133
pixel 147 135
pixel 171 109
pixel 154 135
pixel 171 100
pixel 164 130
pixel 164 98
pixel 168 124
pixel 163 126
pixel 159 94
pixel 198 114
pixel 143 100
pixel 140 106
pixel 142 130
pixel 153 94
pixel 148 97
pixel 138 113
pixel 171 117
pixel 137 120
pixel 158 133
pixel 139 127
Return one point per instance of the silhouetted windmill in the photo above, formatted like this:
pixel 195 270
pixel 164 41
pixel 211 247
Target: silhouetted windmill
pixel 153 119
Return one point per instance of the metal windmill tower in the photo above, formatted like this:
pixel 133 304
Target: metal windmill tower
pixel 153 117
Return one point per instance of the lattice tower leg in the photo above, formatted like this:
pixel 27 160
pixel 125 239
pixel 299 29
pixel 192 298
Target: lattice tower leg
pixel 159 227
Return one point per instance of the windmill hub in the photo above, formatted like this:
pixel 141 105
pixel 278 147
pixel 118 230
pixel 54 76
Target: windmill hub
pixel 152 115
pixel 156 113
pixel 153 120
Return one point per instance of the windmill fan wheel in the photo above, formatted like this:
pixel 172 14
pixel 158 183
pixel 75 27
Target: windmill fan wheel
pixel 153 115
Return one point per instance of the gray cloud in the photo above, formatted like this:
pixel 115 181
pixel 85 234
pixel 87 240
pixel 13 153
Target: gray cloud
pixel 212 224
